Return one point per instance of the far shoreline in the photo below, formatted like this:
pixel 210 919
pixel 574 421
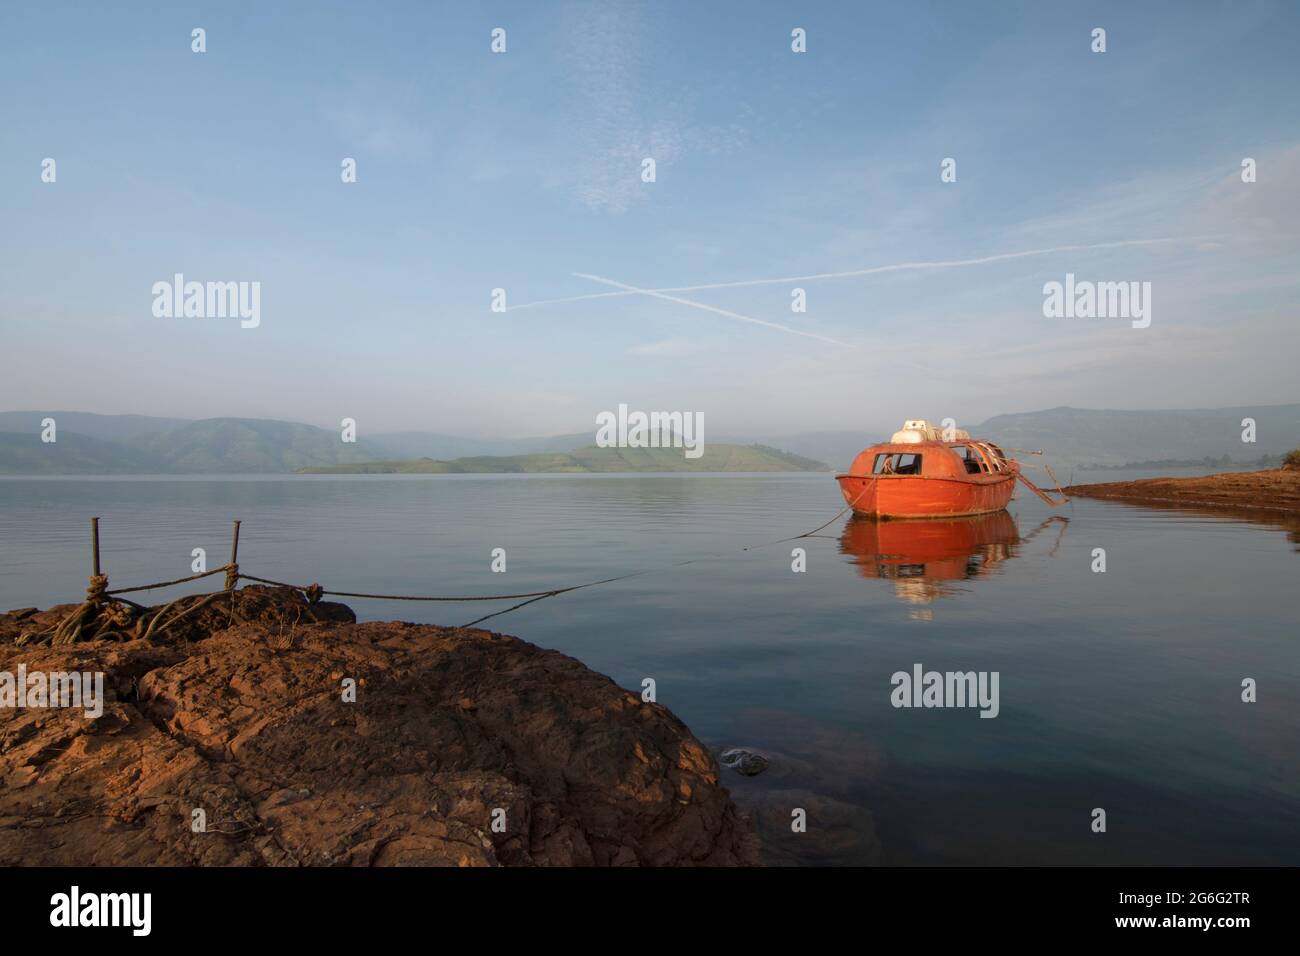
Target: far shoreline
pixel 1270 492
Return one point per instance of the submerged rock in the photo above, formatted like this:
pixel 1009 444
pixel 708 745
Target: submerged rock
pixel 800 828
pixel 750 763
pixel 821 768
pixel 323 742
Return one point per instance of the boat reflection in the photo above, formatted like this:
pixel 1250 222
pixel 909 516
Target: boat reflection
pixel 925 559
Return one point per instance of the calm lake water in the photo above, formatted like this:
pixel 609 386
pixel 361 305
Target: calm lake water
pixel 1119 690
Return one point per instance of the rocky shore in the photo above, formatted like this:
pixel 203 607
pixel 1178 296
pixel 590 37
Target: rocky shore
pixel 265 730
pixel 1275 492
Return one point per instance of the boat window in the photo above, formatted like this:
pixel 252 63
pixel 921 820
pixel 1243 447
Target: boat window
pixel 897 464
pixel 972 459
pixel 995 455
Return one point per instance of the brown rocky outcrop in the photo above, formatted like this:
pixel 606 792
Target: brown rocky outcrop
pixel 243 717
pixel 1276 491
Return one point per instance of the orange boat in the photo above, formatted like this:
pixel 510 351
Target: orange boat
pixel 924 473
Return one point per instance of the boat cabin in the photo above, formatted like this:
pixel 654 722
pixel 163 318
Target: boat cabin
pixel 935 459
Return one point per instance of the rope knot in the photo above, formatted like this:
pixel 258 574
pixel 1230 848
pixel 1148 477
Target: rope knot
pixel 96 589
pixel 232 576
pixel 116 615
pixel 313 593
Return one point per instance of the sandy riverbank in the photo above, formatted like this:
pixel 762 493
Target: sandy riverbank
pixel 1273 492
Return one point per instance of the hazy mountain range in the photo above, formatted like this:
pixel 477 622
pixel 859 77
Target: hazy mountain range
pixel 717 456
pixel 134 444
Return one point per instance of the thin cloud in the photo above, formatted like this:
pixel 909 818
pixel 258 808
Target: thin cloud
pixel 605 58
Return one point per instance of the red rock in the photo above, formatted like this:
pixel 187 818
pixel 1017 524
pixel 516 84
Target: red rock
pixel 451 730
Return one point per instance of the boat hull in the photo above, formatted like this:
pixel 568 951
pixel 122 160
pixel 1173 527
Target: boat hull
pixel 918 496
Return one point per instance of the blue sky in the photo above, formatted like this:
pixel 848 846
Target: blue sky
pixel 517 170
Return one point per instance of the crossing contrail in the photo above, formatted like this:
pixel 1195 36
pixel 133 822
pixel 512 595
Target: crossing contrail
pixel 875 270
pixel 656 293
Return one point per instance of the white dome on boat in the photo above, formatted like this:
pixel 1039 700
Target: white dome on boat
pixel 917 430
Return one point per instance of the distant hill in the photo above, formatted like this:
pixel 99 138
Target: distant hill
pixel 249 446
pixel 592 460
pixel 210 446
pixel 139 444
pixel 23 453
pixel 1081 436
pixel 1114 437
pixel 400 445
pixel 838 449
pixel 103 427
pixel 406 444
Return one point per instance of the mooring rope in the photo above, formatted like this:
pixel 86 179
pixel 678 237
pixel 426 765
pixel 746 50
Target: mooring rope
pixel 423 597
pixel 164 584
pixel 103 611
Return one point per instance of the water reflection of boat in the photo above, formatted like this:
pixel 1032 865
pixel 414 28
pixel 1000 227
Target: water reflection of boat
pixel 924 557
